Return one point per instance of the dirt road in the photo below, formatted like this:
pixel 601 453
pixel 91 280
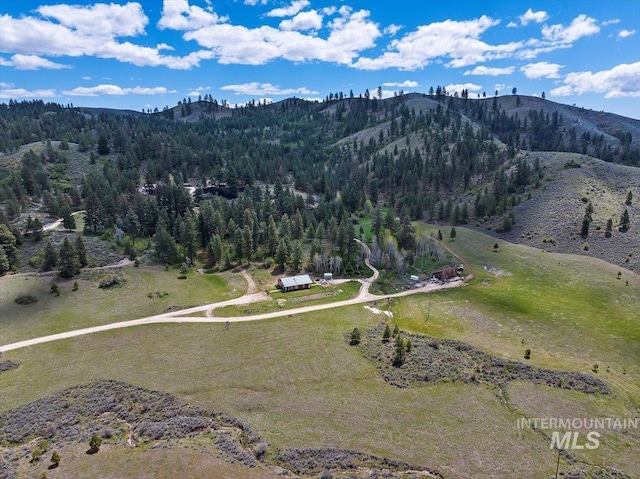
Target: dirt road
pixel 206 311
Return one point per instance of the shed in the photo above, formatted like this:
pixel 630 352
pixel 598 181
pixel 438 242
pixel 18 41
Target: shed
pixel 414 278
pixel 446 273
pixel 327 276
pixel 295 283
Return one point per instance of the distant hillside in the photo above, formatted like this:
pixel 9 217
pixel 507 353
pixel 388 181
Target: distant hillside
pixel 552 218
pixel 518 165
pixel 109 111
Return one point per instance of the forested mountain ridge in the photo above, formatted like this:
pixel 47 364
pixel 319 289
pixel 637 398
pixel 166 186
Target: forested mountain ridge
pixel 432 157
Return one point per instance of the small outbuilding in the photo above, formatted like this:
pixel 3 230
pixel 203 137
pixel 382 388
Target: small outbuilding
pixel 295 283
pixel 414 278
pixel 327 276
pixel 446 274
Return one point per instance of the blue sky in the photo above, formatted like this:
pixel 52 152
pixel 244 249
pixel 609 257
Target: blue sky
pixel 152 53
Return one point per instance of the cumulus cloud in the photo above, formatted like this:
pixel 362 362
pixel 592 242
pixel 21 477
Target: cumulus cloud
pixel 310 20
pixel 621 81
pixel 581 26
pixel 531 16
pixel 107 19
pixel 179 15
pixel 12 93
pixel 115 90
pixel 31 62
pixel 626 33
pixel 512 25
pixel 349 33
pixel 534 71
pixel 263 89
pixel 289 11
pixel 32 36
pixel 404 84
pixel 392 30
pixel 457 40
pixel 489 71
pixel 458 87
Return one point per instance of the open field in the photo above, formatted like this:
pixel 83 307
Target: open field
pixel 92 306
pixel 298 384
pixel 278 301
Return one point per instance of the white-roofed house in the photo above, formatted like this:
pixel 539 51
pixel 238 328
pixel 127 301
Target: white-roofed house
pixel 295 283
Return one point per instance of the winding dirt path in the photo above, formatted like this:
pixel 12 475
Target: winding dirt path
pixel 205 312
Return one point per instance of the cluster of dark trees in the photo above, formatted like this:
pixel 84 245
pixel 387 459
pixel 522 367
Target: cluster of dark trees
pixel 413 167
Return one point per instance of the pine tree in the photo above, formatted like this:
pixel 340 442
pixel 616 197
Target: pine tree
pixel 625 222
pixel 355 337
pixel 4 262
pixel 452 233
pixel 69 264
pixel 81 252
pixel 214 250
pixel 165 246
pixel 68 221
pixel 400 353
pixel 282 253
pixel 50 257
pixel 609 228
pixel 103 144
pixel 387 333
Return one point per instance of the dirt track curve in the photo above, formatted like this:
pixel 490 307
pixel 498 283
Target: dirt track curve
pixel 184 315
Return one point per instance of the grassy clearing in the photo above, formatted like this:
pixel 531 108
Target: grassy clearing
pixel 169 459
pixel 299 385
pixel 91 306
pixel 279 301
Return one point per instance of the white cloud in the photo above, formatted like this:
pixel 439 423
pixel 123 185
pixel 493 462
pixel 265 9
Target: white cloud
pixel 581 26
pixel 115 90
pixel 295 7
pixel 310 20
pixel 179 15
pixel 512 25
pixel 258 89
pixel 610 22
pixel 621 81
pixel 404 84
pixel 458 87
pixel 31 62
pixel 349 33
pixel 6 85
pixel 392 29
pixel 86 77
pixel 457 40
pixel 11 93
pixel 105 19
pixel 626 33
pixel 253 3
pixel 531 16
pixel 534 71
pixel 499 87
pixel 33 36
pixel 482 70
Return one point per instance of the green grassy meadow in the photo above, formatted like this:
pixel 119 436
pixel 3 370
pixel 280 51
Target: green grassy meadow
pixel 296 381
pixel 92 306
pixel 278 301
